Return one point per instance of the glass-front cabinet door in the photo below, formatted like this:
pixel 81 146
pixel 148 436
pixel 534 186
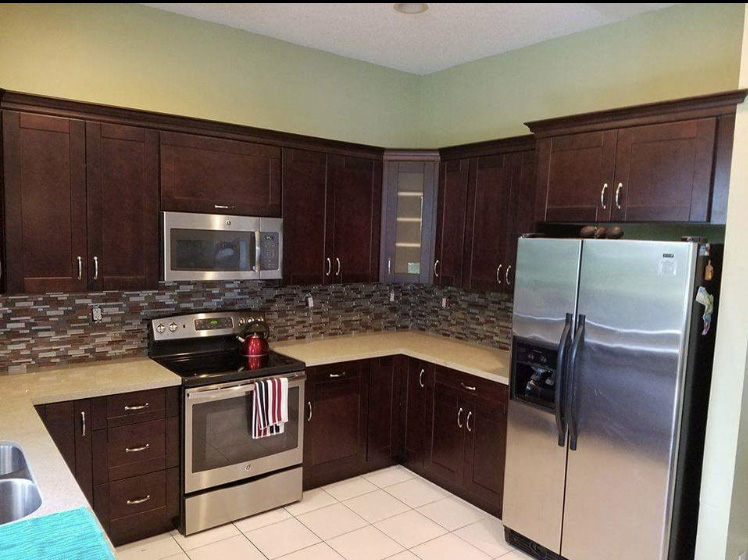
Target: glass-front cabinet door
pixel 408 213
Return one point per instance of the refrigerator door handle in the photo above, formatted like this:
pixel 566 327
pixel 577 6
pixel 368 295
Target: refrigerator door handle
pixel 571 399
pixel 560 367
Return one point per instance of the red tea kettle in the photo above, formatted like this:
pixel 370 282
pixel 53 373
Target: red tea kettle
pixel 255 339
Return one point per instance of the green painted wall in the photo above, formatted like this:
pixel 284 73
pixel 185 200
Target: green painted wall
pixel 135 56
pixel 684 50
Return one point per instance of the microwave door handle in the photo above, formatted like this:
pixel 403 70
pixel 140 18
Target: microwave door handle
pixel 571 392
pixel 560 366
pixel 258 251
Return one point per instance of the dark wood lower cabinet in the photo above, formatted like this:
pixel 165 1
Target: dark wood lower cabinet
pixel 383 424
pixel 127 464
pixel 419 376
pixel 446 434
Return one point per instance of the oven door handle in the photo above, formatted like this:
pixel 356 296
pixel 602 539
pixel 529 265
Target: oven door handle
pixel 213 393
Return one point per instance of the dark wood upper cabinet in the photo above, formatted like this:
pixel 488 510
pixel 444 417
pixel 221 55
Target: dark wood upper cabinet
pixel 521 208
pixel 664 172
pixel 489 195
pixel 208 174
pixel 304 218
pixel 661 162
pixel 123 224
pixel 451 211
pixel 45 203
pixel 355 190
pixel 575 177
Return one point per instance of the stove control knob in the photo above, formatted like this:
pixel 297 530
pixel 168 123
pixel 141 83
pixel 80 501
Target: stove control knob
pixel 160 328
pixel 173 327
pixel 241 320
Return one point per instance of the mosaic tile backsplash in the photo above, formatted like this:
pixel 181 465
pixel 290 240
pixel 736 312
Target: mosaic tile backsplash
pixel 54 329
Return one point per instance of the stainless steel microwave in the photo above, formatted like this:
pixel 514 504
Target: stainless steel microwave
pixel 221 247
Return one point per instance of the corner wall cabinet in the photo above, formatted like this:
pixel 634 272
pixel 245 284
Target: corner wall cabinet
pixel 662 162
pixel 408 213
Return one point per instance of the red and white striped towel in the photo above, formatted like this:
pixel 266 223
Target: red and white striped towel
pixel 270 405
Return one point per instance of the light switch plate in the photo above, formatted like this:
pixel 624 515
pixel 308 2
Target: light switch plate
pixel 96 314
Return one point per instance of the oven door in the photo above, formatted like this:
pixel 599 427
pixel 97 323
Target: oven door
pixel 210 247
pixel 218 444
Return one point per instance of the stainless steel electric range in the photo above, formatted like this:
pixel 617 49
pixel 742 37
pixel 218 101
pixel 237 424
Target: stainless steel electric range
pixel 226 474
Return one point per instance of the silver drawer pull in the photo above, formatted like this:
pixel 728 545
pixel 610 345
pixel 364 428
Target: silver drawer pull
pixel 420 378
pixel 467 422
pixel 223 207
pixel 137 501
pixel 506 275
pixel 459 418
pixel 602 196
pixel 436 268
pixel 137 449
pixel 309 411
pixel 80 267
pixel 329 266
pixel 137 406
pixel 468 387
pixel 96 268
pixel 337 375
pixel 83 424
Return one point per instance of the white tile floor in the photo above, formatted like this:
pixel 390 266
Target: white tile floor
pixel 392 514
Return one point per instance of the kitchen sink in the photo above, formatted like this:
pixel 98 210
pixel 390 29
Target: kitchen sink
pixel 19 497
pixel 12 460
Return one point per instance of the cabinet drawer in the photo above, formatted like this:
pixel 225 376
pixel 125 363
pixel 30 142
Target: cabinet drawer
pixel 490 393
pixel 137 494
pixel 135 443
pixel 334 372
pixel 131 408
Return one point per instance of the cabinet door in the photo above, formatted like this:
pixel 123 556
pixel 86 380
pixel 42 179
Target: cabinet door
pixel 68 423
pixel 217 175
pixel 446 435
pixel 419 375
pixel 122 186
pixel 355 185
pixel 383 422
pixel 486 229
pixel 337 429
pixel 485 452
pixel 408 221
pixel 450 222
pixel 575 177
pixel 305 223
pixel 520 218
pixel 664 172
pixel 45 203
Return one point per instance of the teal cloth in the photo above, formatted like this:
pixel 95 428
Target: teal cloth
pixel 70 535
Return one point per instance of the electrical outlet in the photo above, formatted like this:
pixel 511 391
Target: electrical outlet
pixel 309 301
pixel 96 314
pixel 743 556
pixel 445 302
pixel 392 296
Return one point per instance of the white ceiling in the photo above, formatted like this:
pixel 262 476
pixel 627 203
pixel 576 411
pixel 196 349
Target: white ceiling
pixel 444 36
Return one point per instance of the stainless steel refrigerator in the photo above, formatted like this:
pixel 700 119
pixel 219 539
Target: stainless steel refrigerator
pixel 611 368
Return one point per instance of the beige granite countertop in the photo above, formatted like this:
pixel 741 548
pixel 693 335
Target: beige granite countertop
pixel 20 424
pixel 482 361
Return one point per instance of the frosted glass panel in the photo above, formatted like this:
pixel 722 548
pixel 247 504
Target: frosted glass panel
pixel 409 223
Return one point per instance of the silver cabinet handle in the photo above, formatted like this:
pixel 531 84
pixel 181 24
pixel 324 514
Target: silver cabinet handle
pixel 137 501
pixel 137 449
pixel 436 268
pixel 309 411
pixel 468 387
pixel 618 194
pixel 467 422
pixel 337 375
pixel 506 275
pixel 83 424
pixel 80 268
pixel 602 196
pixel 223 207
pixel 389 266
pixel 337 261
pixel 329 266
pixel 96 267
pixel 137 406
pixel 498 274
pixel 459 418
pixel 420 378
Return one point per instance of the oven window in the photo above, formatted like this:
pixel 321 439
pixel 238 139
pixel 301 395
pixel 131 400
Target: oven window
pixel 199 249
pixel 222 432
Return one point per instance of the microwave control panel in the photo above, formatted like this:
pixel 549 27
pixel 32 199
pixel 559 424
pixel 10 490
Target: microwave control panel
pixel 270 253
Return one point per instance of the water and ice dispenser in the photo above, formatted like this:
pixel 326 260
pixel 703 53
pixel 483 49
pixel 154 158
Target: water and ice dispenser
pixel 534 373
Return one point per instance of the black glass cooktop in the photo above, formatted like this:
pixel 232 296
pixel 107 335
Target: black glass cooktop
pixel 206 368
